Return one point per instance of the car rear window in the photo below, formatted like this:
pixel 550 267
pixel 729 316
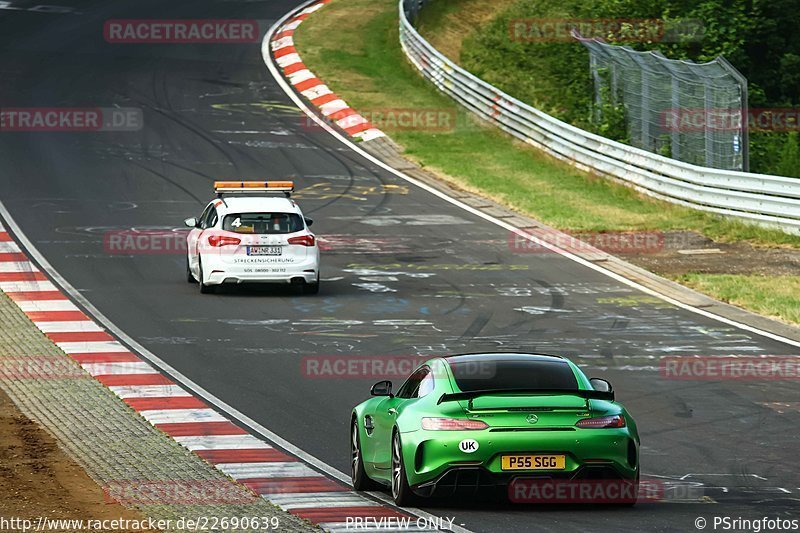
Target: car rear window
pixel 506 375
pixel 263 223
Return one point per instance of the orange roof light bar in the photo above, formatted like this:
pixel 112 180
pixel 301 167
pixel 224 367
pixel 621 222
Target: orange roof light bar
pixel 221 187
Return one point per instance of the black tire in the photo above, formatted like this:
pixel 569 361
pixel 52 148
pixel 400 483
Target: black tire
pixel 635 490
pixel 401 490
pixel 204 289
pixel 311 288
pixel 361 481
pixel 189 276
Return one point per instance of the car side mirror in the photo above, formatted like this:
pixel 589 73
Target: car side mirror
pixel 190 222
pixel 601 385
pixel 382 388
pixel 309 222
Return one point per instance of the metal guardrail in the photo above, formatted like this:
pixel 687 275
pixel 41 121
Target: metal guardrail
pixel 759 198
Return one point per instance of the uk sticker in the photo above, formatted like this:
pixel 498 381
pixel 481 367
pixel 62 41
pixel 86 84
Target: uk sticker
pixel 468 445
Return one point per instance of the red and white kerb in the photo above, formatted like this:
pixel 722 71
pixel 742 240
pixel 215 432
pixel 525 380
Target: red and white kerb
pixel 306 83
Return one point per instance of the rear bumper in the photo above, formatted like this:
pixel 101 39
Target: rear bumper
pixel 431 455
pixel 226 278
pixel 478 482
pixel 218 271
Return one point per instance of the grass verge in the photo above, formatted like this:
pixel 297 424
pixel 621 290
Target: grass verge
pixel 773 296
pixel 446 23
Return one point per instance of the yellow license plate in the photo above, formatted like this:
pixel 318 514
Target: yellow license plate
pixel 534 462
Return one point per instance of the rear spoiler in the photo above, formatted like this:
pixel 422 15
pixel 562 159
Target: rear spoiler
pixel 585 394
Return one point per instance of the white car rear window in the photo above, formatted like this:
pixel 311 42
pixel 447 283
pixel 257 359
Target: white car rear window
pixel 263 223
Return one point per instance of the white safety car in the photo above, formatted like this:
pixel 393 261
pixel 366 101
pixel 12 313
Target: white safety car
pixel 252 232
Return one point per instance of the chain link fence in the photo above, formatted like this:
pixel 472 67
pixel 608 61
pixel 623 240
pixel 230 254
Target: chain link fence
pixel 692 112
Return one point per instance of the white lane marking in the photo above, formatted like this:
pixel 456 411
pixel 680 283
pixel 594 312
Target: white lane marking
pixel 92 347
pixel 70 326
pixel 17 266
pixel 30 306
pixel 222 442
pixel 310 500
pixel 26 286
pixel 119 369
pixel 181 416
pixel 9 247
pixel 267 470
pixel 149 391
pixel 522 234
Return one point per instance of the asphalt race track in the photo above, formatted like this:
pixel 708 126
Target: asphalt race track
pixel 405 272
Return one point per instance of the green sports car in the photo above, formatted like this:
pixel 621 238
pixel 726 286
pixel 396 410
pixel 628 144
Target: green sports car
pixel 463 424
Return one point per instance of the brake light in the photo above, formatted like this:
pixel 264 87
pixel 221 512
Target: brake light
pixel 452 424
pixel 222 240
pixel 615 421
pixel 304 240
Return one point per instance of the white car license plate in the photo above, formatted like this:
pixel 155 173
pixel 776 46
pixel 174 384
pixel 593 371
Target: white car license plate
pixel 264 250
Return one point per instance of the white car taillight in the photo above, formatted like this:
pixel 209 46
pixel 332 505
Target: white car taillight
pixel 303 240
pixel 222 240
